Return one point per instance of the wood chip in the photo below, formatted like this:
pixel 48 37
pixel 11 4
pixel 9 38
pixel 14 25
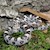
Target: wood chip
pixel 45 31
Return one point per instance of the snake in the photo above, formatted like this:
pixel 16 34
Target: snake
pixel 27 25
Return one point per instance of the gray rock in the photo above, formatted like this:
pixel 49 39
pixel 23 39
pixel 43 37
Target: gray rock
pixel 3 2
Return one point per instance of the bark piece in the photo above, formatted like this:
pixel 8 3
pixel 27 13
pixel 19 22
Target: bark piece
pixel 40 14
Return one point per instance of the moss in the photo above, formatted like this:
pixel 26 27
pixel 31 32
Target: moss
pixel 18 34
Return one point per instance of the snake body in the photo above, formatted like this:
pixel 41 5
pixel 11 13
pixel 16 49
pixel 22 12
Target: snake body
pixel 27 25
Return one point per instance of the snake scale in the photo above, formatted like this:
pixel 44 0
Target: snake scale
pixel 27 25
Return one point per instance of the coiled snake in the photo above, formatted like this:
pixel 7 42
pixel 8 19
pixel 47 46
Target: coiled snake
pixel 27 25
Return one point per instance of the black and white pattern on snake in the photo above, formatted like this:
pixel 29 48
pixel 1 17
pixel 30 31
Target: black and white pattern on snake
pixel 19 40
pixel 26 25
